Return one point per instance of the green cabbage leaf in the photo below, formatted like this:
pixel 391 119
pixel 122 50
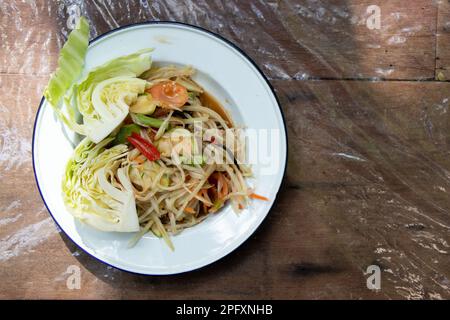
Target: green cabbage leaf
pixel 70 65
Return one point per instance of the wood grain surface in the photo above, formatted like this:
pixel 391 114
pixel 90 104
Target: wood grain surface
pixel 368 172
pixel 443 42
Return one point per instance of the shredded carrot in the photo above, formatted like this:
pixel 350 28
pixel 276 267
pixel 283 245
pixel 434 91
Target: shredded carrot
pixel 189 210
pixel 257 196
pixel 224 189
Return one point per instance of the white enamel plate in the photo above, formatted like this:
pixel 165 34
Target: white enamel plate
pixel 226 73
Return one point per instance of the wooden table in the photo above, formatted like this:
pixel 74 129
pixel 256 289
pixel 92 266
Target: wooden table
pixel 368 179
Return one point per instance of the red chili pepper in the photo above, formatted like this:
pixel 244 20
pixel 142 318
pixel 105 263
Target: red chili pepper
pixel 145 147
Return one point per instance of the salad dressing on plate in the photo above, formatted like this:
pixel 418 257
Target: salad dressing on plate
pixel 209 101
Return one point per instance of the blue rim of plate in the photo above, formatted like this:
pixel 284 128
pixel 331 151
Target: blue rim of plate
pixel 256 67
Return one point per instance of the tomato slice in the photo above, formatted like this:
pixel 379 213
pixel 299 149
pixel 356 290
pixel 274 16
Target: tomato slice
pixel 169 94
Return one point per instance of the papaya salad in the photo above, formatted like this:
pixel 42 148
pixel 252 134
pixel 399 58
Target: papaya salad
pixel 158 155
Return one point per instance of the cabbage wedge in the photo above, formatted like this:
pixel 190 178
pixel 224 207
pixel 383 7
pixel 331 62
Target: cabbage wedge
pixel 97 189
pixel 104 95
